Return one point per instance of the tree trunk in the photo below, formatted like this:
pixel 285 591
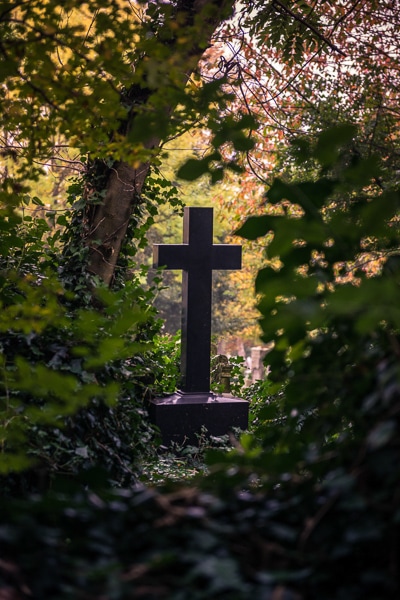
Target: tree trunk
pixel 107 222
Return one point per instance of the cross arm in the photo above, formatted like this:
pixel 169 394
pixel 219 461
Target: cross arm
pixel 227 256
pixel 171 256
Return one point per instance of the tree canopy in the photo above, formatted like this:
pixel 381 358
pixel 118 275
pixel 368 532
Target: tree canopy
pixel 116 80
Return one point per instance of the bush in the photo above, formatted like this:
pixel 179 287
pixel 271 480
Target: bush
pixel 71 384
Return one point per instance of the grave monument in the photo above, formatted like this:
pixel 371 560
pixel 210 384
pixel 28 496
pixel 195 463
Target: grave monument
pixel 183 414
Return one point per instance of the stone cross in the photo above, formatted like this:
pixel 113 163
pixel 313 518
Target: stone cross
pixel 197 257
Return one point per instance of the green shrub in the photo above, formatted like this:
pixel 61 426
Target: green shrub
pixel 71 381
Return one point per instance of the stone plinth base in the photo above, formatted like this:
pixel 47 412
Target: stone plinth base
pixel 182 415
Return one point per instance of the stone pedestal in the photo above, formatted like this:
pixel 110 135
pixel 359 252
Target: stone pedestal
pixel 182 415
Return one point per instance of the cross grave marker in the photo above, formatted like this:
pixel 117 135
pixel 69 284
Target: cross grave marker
pixel 197 256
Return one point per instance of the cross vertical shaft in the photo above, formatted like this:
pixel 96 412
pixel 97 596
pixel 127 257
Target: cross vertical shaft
pixel 196 301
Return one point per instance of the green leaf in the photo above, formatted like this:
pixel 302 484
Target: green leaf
pixel 242 143
pixel 62 220
pixel 195 168
pixel 255 227
pixel 35 200
pixel 331 141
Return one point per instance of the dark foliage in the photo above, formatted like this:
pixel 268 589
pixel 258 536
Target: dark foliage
pixel 307 506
